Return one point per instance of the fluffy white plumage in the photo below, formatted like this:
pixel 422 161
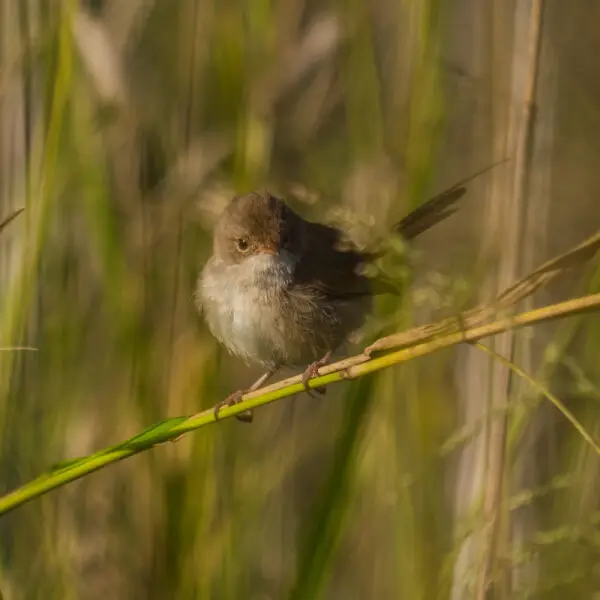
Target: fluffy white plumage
pixel 242 302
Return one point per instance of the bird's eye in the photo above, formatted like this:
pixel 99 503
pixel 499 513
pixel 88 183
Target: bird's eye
pixel 242 244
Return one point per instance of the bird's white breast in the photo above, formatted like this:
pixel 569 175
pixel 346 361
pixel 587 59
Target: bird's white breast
pixel 242 302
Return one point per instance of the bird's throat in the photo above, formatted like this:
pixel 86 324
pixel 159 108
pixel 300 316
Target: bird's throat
pixel 267 272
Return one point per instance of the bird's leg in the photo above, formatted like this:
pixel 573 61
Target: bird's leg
pixel 313 371
pixel 236 397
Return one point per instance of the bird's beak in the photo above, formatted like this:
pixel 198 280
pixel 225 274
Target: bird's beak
pixel 268 250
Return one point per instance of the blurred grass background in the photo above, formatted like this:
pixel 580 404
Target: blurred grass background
pixel 125 128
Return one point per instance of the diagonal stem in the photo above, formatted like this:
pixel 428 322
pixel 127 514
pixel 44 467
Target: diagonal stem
pixel 350 368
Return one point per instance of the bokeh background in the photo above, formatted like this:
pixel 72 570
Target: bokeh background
pixel 125 127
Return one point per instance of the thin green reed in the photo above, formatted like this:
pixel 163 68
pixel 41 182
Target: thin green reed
pixel 40 197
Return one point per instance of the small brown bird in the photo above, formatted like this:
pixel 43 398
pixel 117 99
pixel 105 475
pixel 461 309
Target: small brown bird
pixel 282 291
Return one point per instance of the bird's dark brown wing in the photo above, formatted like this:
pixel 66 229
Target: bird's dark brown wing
pixel 331 266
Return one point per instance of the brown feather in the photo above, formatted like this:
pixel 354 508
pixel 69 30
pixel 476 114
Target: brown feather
pixel 335 270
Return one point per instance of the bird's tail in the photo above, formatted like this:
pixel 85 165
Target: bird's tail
pixel 429 214
pixel 437 209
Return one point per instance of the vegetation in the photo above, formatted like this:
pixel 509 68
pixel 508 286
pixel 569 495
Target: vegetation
pixel 126 127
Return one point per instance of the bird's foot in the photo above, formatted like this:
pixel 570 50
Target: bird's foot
pixel 313 371
pixel 232 400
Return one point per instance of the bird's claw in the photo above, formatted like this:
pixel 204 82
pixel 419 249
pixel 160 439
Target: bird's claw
pixel 313 371
pixel 232 400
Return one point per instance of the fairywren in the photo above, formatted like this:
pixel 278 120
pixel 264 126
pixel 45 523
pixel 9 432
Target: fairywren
pixel 279 290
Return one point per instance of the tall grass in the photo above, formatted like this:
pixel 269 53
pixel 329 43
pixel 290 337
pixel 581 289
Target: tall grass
pixel 125 128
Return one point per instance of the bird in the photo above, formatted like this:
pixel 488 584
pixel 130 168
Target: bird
pixel 282 291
